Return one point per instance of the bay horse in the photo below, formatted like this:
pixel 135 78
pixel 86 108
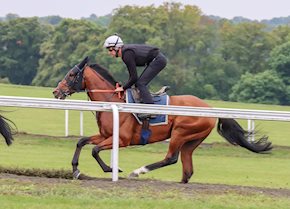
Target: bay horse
pixel 6 129
pixel 185 133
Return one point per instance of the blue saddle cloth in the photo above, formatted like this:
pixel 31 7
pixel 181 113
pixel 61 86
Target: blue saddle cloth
pixel 162 99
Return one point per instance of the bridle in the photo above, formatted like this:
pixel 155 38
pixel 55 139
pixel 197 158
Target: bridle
pixel 76 83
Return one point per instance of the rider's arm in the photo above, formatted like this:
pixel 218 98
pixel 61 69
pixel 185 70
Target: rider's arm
pixel 129 59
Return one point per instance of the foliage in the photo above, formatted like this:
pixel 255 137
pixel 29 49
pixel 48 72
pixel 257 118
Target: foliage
pixel 52 20
pixel 277 21
pixel 20 41
pixel 280 61
pixel 207 55
pixel 102 21
pixel 281 35
pixel 247 44
pixel 162 26
pixel 265 87
pixel 71 41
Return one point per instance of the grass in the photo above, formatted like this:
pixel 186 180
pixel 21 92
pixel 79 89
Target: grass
pixel 51 122
pixel 214 164
pixel 218 163
pixel 19 195
pixel 45 121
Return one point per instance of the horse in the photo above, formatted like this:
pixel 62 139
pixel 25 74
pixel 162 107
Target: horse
pixel 185 133
pixel 6 129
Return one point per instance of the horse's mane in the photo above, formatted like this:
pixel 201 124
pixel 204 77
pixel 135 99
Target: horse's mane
pixel 104 73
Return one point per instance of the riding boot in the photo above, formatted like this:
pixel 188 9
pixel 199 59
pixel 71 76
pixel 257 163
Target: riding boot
pixel 146 98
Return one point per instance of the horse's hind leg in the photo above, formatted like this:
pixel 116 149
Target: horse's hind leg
pixel 167 161
pixel 176 144
pixel 186 159
pixel 171 158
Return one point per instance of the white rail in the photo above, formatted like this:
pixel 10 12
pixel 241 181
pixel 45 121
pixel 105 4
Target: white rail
pixel 8 101
pixel 144 108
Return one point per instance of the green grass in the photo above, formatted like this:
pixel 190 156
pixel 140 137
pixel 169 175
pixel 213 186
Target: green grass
pixel 45 121
pixel 30 91
pixel 51 122
pixel 20 195
pixel 218 163
pixel 213 164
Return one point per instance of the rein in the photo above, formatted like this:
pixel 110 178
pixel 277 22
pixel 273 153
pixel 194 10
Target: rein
pixel 105 91
pixel 76 83
pixel 100 91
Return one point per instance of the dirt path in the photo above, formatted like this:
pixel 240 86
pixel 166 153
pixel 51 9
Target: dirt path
pixel 154 185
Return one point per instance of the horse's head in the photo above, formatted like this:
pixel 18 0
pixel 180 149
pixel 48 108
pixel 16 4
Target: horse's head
pixel 72 82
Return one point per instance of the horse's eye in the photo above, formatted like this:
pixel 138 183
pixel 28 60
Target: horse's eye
pixel 71 74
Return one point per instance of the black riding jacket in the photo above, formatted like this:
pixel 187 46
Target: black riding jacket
pixel 137 55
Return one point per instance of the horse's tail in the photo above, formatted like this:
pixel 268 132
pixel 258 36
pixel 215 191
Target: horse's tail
pixel 236 135
pixel 6 129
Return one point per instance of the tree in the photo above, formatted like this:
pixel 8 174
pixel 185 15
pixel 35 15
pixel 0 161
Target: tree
pixel 71 41
pixel 53 20
pixel 247 44
pixel 265 87
pixel 20 41
pixel 281 34
pixel 280 61
pixel 220 76
pixel 11 16
pixel 175 29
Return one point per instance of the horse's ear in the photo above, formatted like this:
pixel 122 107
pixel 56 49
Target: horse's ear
pixel 82 63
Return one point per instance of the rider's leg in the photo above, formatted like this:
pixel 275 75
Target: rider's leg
pixel 147 75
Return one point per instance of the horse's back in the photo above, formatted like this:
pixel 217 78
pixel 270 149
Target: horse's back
pixel 200 123
pixel 187 100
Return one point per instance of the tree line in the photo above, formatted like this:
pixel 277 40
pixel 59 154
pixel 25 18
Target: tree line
pixel 211 58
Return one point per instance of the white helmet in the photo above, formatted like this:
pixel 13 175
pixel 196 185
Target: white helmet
pixel 113 41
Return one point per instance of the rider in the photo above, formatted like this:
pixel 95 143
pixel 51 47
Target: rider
pixel 134 55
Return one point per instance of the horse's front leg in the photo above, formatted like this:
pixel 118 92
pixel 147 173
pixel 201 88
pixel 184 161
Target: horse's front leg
pixel 104 145
pixel 82 142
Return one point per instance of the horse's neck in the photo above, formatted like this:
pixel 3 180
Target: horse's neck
pixel 95 82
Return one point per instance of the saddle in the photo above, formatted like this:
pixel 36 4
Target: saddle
pixel 136 94
pixel 161 98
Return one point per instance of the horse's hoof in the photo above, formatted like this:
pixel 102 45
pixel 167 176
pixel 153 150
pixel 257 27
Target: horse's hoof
pixel 133 175
pixel 76 174
pixel 184 182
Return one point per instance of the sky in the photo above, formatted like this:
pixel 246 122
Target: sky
pixel 251 9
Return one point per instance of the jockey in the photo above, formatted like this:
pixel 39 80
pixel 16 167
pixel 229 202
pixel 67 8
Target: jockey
pixel 134 55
